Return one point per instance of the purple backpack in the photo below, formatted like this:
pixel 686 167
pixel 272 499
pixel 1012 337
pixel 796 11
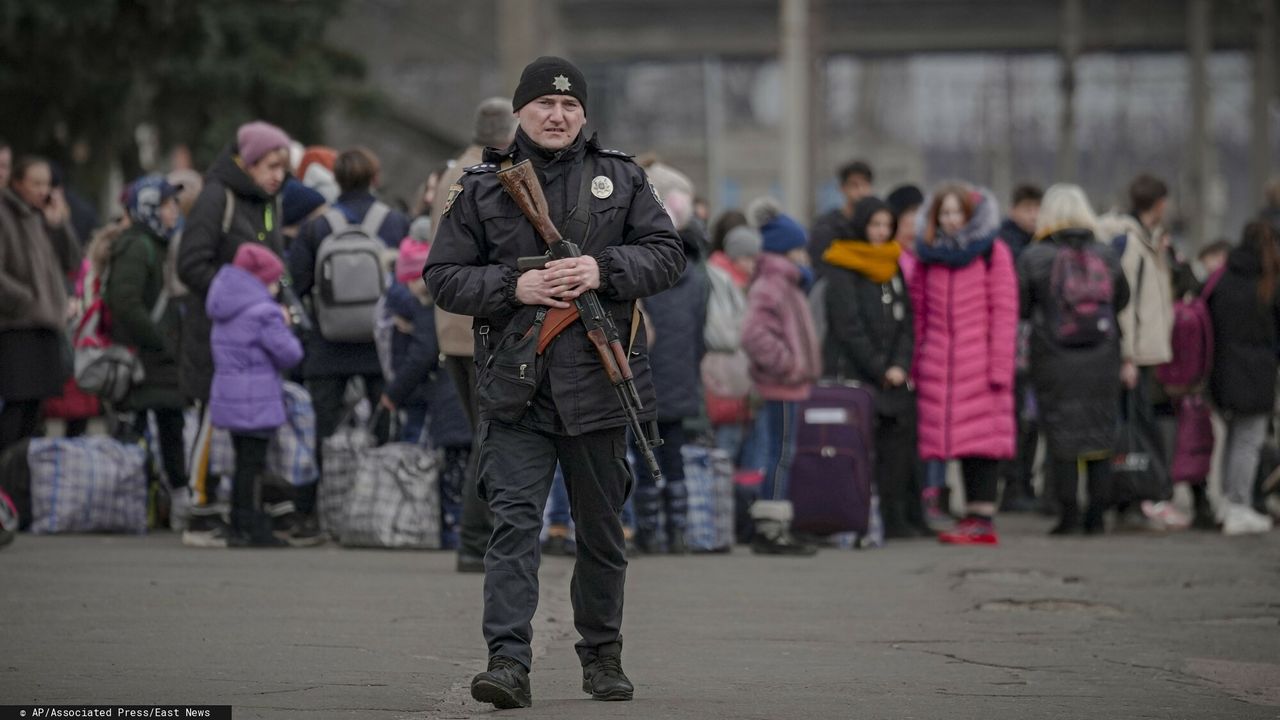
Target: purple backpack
pixel 1192 341
pixel 1080 312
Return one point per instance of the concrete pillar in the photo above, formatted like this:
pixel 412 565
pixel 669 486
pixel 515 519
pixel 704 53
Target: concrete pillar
pixel 1199 30
pixel 526 30
pixel 1264 89
pixel 713 110
pixel 1071 40
pixel 797 103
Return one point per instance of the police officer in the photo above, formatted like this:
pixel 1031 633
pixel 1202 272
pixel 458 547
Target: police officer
pixel 630 250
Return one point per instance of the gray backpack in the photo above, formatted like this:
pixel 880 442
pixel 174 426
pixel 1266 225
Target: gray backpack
pixel 350 277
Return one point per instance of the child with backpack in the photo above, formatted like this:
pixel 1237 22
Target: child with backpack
pixel 252 344
pixel 1071 288
pixel 421 387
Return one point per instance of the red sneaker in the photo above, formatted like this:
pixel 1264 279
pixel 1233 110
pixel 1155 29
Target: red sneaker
pixel 971 531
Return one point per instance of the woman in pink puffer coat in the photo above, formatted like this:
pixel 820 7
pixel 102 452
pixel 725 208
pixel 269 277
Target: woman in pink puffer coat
pixel 965 296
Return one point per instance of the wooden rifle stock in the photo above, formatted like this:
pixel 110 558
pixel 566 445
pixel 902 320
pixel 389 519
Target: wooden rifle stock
pixel 522 184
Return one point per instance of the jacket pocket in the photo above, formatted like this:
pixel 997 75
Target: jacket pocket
pixel 509 377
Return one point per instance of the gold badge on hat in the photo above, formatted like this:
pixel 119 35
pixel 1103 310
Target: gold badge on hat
pixel 561 83
pixel 601 187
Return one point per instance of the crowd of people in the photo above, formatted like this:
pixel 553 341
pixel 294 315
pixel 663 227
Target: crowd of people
pixel 979 335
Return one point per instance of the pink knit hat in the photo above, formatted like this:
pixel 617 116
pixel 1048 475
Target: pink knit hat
pixel 258 138
pixel 411 260
pixel 258 261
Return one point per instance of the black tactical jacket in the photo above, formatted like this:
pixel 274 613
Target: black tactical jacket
pixel 472 271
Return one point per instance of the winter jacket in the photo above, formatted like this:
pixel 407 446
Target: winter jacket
pixel 726 375
pixel 966 316
pixel 1246 337
pixel 251 345
pixel 1015 237
pixel 205 249
pixel 778 332
pixel 453 331
pixel 1146 325
pixel 336 359
pixel 472 271
pixel 134 283
pixel 829 226
pixel 35 262
pixel 419 378
pixel 1076 387
pixel 869 326
pixel 679 317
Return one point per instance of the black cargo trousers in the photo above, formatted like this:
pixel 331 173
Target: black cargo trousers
pixel 517 463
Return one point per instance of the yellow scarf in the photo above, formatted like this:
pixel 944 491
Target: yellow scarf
pixel 878 262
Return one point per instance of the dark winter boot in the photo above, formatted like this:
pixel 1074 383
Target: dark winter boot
pixel 893 511
pixel 1095 518
pixel 603 678
pixel 1068 521
pixel 773 536
pixel 253 528
pixel 505 685
pixel 1203 518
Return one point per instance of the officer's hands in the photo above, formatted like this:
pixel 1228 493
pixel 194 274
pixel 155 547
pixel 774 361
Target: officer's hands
pixel 576 275
pixel 561 281
pixel 535 288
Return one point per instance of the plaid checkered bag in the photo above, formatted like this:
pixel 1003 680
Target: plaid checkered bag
pixel 342 452
pixel 292 454
pixel 395 500
pixel 708 477
pixel 87 484
pixel 222 456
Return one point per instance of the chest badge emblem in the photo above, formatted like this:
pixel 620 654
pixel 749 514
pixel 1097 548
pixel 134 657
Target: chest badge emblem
pixel 601 187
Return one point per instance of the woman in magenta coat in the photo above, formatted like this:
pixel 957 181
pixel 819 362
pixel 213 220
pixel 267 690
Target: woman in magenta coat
pixel 965 297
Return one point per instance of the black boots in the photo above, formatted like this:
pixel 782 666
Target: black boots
pixel 1069 520
pixel 603 679
pixel 253 528
pixel 505 685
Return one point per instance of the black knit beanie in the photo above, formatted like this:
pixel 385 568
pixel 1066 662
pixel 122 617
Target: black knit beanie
pixel 549 76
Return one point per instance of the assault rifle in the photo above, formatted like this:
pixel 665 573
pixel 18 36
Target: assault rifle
pixel 521 183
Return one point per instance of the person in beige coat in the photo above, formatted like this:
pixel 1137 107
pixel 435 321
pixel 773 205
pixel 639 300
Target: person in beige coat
pixel 495 126
pixel 1146 323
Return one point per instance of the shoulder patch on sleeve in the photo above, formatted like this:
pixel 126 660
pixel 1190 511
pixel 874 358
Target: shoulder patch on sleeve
pixel 481 168
pixel 454 191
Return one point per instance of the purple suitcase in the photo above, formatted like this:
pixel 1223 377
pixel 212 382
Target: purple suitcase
pixel 830 482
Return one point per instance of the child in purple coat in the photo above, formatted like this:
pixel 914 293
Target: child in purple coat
pixel 251 344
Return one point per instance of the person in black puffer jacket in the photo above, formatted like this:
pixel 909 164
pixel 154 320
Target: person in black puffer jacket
pixel 678 316
pixel 1076 385
pixel 1245 307
pixel 870 339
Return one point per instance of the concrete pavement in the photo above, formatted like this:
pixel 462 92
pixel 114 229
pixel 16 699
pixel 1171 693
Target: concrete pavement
pixel 1126 626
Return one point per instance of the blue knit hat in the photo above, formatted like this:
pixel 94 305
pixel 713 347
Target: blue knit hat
pixel 298 201
pixel 781 233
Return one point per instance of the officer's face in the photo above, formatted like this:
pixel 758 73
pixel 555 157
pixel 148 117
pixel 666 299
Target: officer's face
pixel 552 121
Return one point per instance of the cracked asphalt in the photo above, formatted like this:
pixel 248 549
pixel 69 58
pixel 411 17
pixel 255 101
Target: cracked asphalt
pixel 1126 626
